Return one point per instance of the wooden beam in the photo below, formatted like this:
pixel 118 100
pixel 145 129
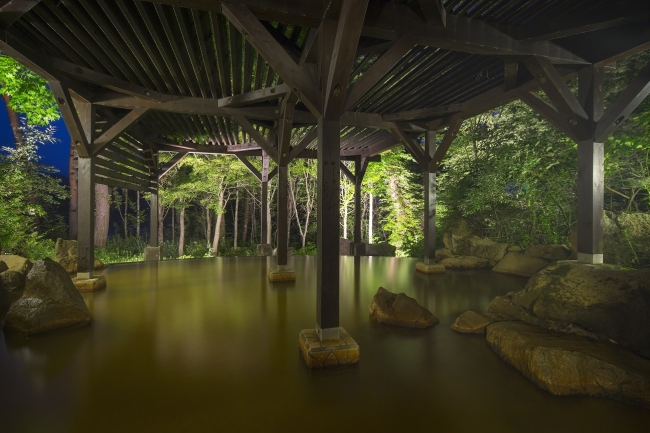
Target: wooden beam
pixel 171 163
pixel 346 171
pixel 410 145
pixel 442 149
pixel 343 55
pixel 434 12
pixel 118 129
pixel 284 131
pixel 12 10
pixel 274 54
pixel 266 145
pixel 601 17
pixel 71 118
pixel 424 113
pixel 250 167
pixel 379 69
pixel 548 112
pixel 510 72
pixel 624 105
pixel 243 147
pixel 255 96
pixel 306 141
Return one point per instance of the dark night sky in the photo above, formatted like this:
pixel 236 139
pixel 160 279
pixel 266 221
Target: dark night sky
pixel 51 154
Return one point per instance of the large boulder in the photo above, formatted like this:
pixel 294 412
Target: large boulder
pixel 479 247
pixel 17 263
pixel 12 280
pixel 566 364
pixel 66 254
pixel 519 264
pixel 548 252
pixel 400 309
pixel 466 262
pixel 5 303
pixel 443 253
pixel 471 322
pixel 457 230
pixel 599 298
pixel 49 301
pixel 380 249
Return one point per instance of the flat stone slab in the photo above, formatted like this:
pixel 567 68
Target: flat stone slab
pixel 431 268
pixel 276 275
pixel 471 322
pixel 467 262
pixel 90 285
pixel 327 353
pixel 567 364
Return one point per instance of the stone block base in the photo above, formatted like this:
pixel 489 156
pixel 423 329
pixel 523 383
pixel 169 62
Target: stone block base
pixel 264 250
pixel 98 282
pixel 327 353
pixel 431 268
pixel 276 275
pixel 151 254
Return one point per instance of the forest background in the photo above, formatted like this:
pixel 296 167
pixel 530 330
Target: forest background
pixel 509 173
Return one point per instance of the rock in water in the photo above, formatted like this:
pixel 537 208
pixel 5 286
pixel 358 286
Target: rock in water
pixel 479 247
pixel 567 364
pixel 520 265
pixel 548 252
pixel 466 262
pixel 400 310
pixel 381 249
pixel 49 301
pixel 600 298
pixel 471 322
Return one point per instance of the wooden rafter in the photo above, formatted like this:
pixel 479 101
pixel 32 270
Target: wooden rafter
pixel 442 149
pixel 12 10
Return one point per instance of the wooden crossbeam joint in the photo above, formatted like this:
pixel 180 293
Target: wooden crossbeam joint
pixel 442 149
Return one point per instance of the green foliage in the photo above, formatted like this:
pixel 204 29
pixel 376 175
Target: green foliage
pixel 122 250
pixel 28 191
pixel 29 93
pixel 308 250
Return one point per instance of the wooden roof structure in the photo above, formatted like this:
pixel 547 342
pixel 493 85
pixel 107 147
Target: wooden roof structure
pixel 217 76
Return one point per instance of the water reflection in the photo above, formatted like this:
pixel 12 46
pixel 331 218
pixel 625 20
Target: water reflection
pixel 205 344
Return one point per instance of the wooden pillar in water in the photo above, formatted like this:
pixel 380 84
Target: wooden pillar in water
pixel 86 218
pixel 327 298
pixel 282 219
pixel 429 200
pixel 591 193
pixel 153 219
pixel 265 199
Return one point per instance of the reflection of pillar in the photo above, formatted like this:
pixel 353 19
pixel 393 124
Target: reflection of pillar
pixel 591 171
pixel 429 201
pixel 86 218
pixel 327 301
pixel 282 220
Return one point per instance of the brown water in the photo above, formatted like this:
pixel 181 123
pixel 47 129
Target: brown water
pixel 211 345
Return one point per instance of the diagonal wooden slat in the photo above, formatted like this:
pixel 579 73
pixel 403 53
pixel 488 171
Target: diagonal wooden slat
pixel 116 130
pixel 409 144
pixel 306 141
pixel 548 112
pixel 274 54
pixel 266 145
pixel 171 163
pixel 250 166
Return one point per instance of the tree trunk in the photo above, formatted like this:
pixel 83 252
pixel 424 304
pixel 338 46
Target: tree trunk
pixel 161 221
pixel 126 213
pixel 14 121
pixel 269 224
pixel 181 230
pixel 72 176
pixel 208 225
pixel 173 225
pixel 370 219
pixel 217 226
pixel 345 220
pixel 102 214
pixel 236 217
pixel 137 215
pixel 247 215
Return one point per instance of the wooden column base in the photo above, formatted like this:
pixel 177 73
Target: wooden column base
pixel 319 353
pixel 430 268
pixel 282 274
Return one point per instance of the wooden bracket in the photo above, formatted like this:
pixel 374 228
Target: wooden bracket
pixel 441 151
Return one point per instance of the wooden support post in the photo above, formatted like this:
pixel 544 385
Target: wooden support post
pixel 327 302
pixel 86 218
pixel 153 219
pixel 265 199
pixel 591 171
pixel 429 201
pixel 282 222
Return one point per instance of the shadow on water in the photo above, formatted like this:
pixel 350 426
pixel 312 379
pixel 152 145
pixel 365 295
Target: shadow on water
pixel 211 344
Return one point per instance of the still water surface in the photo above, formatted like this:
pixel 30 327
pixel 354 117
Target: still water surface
pixel 211 345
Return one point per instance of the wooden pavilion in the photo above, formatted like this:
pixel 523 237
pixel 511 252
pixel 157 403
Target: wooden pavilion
pixel 327 79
